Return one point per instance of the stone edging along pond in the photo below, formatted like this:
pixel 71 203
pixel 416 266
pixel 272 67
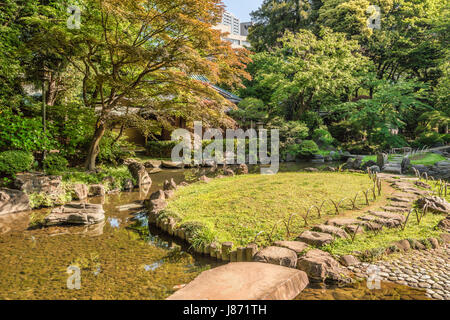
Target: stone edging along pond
pixel 286 253
pixel 158 202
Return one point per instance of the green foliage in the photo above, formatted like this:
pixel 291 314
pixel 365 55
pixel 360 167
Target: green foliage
pixel 250 110
pixel 103 176
pixel 18 132
pixel 307 148
pixel 12 162
pixel 160 149
pixel 290 132
pixel 114 152
pixel 55 163
pixel 322 137
pixel 430 139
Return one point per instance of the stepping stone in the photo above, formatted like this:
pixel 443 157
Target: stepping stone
pixel 315 238
pixel 404 196
pixel 277 255
pixel 245 281
pixel 393 169
pixel 321 266
pixel 400 205
pixel 388 215
pixel 372 225
pixel 394 209
pixel 297 246
pixel 348 260
pixel 385 222
pixel 400 199
pixel 342 222
pixel 351 228
pixel 335 231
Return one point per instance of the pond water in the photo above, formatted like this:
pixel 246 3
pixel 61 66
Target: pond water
pixel 121 258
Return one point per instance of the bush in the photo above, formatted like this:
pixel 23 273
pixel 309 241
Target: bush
pixel 114 153
pixel 12 162
pixel 307 148
pixel 160 149
pixel 55 163
pixel 430 139
pixel 322 137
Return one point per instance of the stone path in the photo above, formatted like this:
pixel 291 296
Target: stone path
pixel 394 165
pixel 426 269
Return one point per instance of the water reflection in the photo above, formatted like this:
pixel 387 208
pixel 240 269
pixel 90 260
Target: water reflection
pixel 153 266
pixel 114 222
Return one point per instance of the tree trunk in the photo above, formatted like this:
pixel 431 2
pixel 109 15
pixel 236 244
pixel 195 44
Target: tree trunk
pixel 94 149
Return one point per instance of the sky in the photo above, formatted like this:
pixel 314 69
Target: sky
pixel 242 8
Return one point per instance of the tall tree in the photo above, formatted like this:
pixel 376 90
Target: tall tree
pixel 308 70
pixel 274 17
pixel 143 53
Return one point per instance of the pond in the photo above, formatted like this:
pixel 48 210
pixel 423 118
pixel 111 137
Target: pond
pixel 121 258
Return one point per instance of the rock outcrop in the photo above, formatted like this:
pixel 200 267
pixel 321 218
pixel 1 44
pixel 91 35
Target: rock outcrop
pixel 12 201
pixel 76 213
pixel 320 266
pixel 139 173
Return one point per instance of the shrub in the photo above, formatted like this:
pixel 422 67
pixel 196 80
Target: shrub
pixel 307 148
pixel 114 153
pixel 322 137
pixel 12 162
pixel 20 133
pixel 55 163
pixel 430 139
pixel 160 149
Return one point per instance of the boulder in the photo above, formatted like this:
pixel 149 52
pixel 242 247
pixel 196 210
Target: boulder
pixel 153 164
pixel 329 169
pixel 435 204
pixel 375 169
pixel 76 213
pixel 348 260
pixel 96 190
pixel 434 243
pixel 170 185
pixel 243 169
pixel 158 195
pixel 334 231
pixel 296 246
pixel 12 201
pixel 311 170
pixel 402 245
pixel 444 224
pixel 406 163
pixel 228 172
pixel 79 191
pixel 139 173
pixel 172 165
pixel 205 179
pixel 320 266
pixel 368 164
pixel 245 281
pixel 40 183
pixel 277 255
pixel 128 185
pixel 416 245
pixel 169 194
pixel 315 238
pixel 382 159
pixel 155 170
pixel 422 184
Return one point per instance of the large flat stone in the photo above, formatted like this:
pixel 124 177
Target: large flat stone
pixel 277 255
pixel 12 201
pixel 334 231
pixel 296 246
pixel 342 222
pixel 315 238
pixel 245 281
pixel 76 213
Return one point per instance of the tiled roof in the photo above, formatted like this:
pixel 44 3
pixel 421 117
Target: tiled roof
pixel 226 94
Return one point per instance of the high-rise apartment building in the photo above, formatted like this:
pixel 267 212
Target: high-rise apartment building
pixel 237 31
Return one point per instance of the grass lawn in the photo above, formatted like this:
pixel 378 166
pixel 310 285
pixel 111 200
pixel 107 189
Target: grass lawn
pixel 427 159
pixel 237 208
pixel 371 240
